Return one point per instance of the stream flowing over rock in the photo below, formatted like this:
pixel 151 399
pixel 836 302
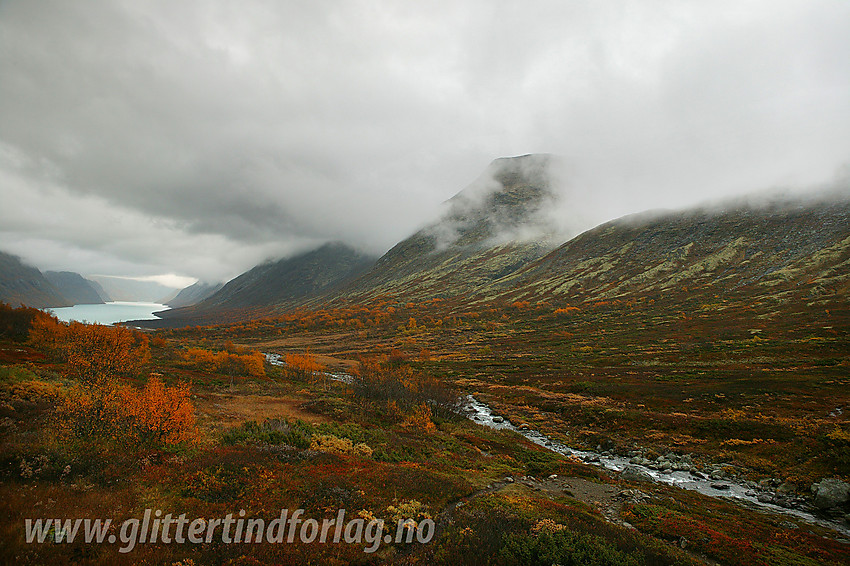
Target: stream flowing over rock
pixel 673 469
pixel 717 480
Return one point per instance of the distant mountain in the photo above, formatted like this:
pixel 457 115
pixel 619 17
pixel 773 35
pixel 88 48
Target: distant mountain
pixel 193 294
pixel 293 279
pixel 783 249
pixel 125 289
pixel 495 226
pixel 286 282
pixel 101 292
pixel 22 284
pixel 496 241
pixel 75 288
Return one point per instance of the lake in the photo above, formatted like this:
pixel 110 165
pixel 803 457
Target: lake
pixel 109 313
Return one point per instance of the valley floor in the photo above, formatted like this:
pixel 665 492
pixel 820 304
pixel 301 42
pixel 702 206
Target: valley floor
pixel 753 399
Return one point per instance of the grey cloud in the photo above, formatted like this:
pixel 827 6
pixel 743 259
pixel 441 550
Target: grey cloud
pixel 200 136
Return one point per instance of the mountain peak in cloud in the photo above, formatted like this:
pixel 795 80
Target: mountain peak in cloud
pixel 509 201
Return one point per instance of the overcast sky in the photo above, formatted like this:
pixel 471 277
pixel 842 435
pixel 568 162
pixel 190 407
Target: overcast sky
pixel 198 138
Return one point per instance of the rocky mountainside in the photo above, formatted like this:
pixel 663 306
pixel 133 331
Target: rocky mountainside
pixel 495 226
pixel 22 284
pixel 76 288
pixel 781 248
pixel 193 294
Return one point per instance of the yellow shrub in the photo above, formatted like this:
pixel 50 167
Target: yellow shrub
pixel 547 526
pixel 336 445
pixel 331 443
pixel 362 450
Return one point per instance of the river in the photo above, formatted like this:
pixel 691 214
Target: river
pixel 481 413
pixel 109 313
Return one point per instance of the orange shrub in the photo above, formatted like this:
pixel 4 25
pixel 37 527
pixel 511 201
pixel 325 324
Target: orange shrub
pixel 304 366
pixel 153 415
pixel 251 364
pixel 420 419
pixel 94 352
pixel 202 359
pixel 158 414
pixel 566 310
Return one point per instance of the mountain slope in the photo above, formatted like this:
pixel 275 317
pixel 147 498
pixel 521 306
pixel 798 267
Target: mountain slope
pixel 788 246
pixel 287 282
pixel 490 229
pixel 75 287
pixel 22 284
pixel 193 294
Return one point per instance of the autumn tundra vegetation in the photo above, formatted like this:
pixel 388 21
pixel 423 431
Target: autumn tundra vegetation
pixel 107 421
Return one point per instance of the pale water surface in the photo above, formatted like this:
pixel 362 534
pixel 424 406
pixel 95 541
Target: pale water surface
pixel 109 313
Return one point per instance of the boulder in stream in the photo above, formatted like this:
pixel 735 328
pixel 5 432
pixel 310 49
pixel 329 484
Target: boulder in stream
pixel 634 473
pixel 831 493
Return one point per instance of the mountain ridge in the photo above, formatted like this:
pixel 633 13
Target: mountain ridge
pixel 22 284
pixel 490 228
pixel 790 243
pixel 77 288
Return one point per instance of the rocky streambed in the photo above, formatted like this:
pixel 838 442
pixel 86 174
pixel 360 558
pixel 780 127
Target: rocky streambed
pixel 715 480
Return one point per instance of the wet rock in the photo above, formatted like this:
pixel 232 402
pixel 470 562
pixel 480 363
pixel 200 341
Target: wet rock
pixel 786 488
pixel 697 474
pixel 765 498
pixel 509 479
pixel 634 473
pixel 498 419
pixel 720 486
pixel 717 474
pixel 831 493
